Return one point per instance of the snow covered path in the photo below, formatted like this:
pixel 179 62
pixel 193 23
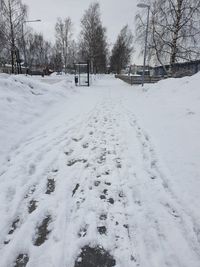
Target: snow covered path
pixel 91 189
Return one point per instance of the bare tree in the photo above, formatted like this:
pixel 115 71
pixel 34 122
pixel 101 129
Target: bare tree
pixel 38 51
pixel 2 44
pixel 122 49
pixel 72 53
pixel 13 13
pixel 174 30
pixel 93 45
pixel 63 30
pixel 56 63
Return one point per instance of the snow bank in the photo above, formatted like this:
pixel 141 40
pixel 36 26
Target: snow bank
pixel 170 111
pixel 23 101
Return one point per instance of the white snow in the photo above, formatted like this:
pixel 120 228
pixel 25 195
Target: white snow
pixel 112 165
pixel 170 110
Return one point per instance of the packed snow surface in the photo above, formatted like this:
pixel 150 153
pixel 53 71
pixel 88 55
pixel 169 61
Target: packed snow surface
pixel 101 176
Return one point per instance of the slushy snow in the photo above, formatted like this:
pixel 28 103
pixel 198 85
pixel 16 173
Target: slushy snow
pixel 112 167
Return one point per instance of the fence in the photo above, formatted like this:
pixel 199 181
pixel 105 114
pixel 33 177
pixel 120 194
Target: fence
pixel 137 79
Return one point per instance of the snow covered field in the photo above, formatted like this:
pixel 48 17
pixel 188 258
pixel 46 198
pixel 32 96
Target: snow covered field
pixel 101 176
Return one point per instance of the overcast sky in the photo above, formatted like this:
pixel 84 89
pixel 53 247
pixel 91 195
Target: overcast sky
pixel 115 14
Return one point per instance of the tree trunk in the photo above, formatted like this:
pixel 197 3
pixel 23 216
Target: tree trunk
pixel 176 32
pixel 65 62
pixel 12 38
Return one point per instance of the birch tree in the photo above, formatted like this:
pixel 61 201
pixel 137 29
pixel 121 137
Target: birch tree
pixel 174 31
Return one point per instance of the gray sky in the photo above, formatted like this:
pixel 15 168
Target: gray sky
pixel 115 14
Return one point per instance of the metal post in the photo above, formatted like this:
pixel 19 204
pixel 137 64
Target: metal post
pixel 88 72
pixel 146 39
pixel 24 47
pixel 79 75
pixel 145 50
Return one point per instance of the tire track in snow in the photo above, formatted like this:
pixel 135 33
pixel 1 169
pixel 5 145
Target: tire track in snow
pixel 166 201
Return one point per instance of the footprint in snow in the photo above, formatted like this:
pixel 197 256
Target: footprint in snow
pixel 102 230
pixel 102 197
pixel 77 139
pixel 105 191
pixel 111 200
pixel 93 257
pixel 31 190
pixel 42 231
pixel 50 186
pixel 108 183
pixel 32 205
pixel 68 152
pixel 97 183
pixel 83 231
pixel 12 229
pixel 118 163
pixel 74 161
pixel 85 145
pixel 21 260
pixel 103 217
pixel 75 189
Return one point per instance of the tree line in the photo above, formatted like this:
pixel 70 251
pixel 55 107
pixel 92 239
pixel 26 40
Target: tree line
pixel 20 44
pixel 173 36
